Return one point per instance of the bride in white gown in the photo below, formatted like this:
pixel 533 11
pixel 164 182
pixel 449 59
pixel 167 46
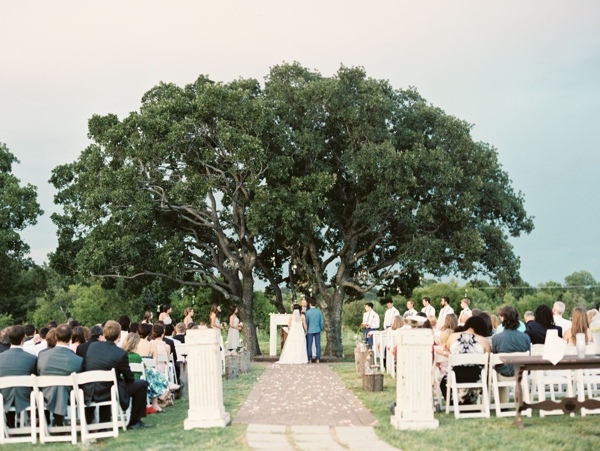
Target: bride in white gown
pixel 294 349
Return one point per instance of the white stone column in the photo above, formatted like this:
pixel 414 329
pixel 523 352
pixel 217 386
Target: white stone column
pixel 414 390
pixel 205 385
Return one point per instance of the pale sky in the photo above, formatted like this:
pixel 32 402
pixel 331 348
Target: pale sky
pixel 526 74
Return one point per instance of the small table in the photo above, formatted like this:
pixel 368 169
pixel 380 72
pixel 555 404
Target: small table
pixel 532 363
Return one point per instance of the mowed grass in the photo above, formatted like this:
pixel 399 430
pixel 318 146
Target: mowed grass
pixel 549 433
pixel 168 433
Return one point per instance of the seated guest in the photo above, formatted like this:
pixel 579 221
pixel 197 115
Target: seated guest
pixel 77 338
pixel 95 335
pixel 144 346
pixel 591 315
pixel 509 340
pixel 543 321
pixel 4 340
pixel 59 361
pixel 106 355
pixel 528 316
pixel 468 339
pixel 180 332
pixel 16 362
pixel 158 385
pixel 124 322
pixel 579 324
pixel 170 331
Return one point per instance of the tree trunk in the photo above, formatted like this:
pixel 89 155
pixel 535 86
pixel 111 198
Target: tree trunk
pixel 249 329
pixel 333 324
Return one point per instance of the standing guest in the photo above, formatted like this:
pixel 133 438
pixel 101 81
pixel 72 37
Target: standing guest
pixel 106 355
pixel 445 310
pixel 528 316
pixel 95 335
pixel 16 362
pixel 428 309
pixel 59 361
pixel 543 321
pixel 579 324
pixel 147 318
pixel 314 327
pixel 466 310
pixel 189 315
pixel 557 312
pixel 180 329
pixel 165 313
pixel 370 323
pixel 77 338
pixel 233 334
pixel 509 340
pixel 391 313
pixel 410 309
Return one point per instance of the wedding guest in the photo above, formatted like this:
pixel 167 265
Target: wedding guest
pixel 180 329
pixel 77 338
pixel 543 321
pixel 558 309
pixel 16 362
pixel 233 334
pixel 59 361
pixel 4 340
pixel 160 348
pixel 445 310
pixel 124 321
pixel 106 355
pixel 591 314
pixel 468 339
pixel 144 347
pixel 528 316
pixel 509 340
pixel 189 315
pixel 95 335
pixel 165 313
pixel 579 324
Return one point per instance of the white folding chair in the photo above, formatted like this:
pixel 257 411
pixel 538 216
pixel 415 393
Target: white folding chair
pixel 588 384
pixel 181 351
pixel 438 360
pixel 25 428
pixel 47 431
pixel 106 429
pixel 555 384
pixel 467 411
pixel 506 409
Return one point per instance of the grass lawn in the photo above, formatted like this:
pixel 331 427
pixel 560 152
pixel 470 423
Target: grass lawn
pixel 548 433
pixel 168 433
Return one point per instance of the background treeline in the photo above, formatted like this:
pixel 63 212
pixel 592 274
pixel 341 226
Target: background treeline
pixel 47 296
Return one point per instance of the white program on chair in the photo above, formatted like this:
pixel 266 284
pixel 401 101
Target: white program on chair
pixel 506 409
pixel 25 428
pixel 49 433
pixel 89 431
pixel 466 411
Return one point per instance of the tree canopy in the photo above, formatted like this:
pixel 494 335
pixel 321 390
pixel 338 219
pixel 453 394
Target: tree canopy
pixel 18 209
pixel 332 185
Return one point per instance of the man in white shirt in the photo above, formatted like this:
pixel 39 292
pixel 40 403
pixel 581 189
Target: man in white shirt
pixel 557 311
pixel 428 309
pixel 390 313
pixel 370 323
pixel 410 305
pixel 445 310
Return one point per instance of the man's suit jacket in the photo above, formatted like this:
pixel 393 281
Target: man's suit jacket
pixel 83 347
pixel 314 321
pixel 58 361
pixel 180 337
pixel 106 355
pixel 16 362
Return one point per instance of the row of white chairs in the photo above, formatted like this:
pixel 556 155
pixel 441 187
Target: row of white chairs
pixel 26 424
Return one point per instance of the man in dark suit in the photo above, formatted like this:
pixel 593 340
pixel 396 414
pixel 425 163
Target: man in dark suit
pixel 106 355
pixel 59 361
pixel 16 362
pixel 95 335
pixel 180 332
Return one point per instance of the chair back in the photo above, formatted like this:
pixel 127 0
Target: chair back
pixel 25 433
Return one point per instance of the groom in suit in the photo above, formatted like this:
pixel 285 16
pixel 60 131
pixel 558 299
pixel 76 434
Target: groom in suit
pixel 314 327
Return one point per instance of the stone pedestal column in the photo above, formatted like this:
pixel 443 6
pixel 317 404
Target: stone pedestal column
pixel 205 385
pixel 414 394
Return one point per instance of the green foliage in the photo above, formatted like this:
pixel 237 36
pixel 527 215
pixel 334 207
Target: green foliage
pixel 261 310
